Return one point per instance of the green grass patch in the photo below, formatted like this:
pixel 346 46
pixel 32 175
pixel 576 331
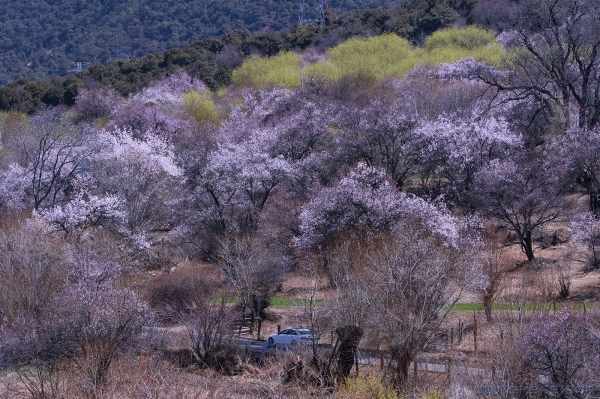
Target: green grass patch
pixel 283 301
pixel 528 307
pixel 227 297
pixel 366 387
pixel 457 307
pixel 465 307
pixel 275 301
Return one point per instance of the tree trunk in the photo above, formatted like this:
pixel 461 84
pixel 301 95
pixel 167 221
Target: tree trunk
pixel 487 307
pixel 258 328
pixel 349 337
pixel 402 356
pixel 527 245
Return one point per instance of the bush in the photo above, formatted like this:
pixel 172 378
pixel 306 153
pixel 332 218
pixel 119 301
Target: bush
pixel 175 290
pixel 391 56
pixel 450 45
pixel 375 57
pixel 366 387
pixel 96 103
pixel 283 69
pixel 468 38
pixel 201 107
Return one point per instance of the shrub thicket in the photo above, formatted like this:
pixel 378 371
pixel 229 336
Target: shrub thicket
pixel 282 69
pixel 374 58
pixel 201 107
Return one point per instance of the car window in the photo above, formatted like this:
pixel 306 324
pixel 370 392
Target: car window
pixel 285 332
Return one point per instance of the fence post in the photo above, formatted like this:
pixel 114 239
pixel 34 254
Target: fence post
pixel 259 322
pixel 520 314
pixel 474 331
pixel 415 367
pixel 447 340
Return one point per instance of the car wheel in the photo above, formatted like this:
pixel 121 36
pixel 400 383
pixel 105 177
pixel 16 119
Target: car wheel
pixel 271 342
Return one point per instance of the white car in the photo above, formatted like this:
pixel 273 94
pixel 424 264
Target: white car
pixel 291 337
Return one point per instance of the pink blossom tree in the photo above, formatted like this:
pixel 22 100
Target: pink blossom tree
pixel 578 150
pixel 97 102
pixel 561 347
pixel 130 187
pixel 50 152
pixel 381 134
pixel 158 109
pixel 230 179
pixel 238 180
pixel 365 200
pixel 459 147
pixel 586 230
pixel 143 175
pixel 554 63
pixel 522 195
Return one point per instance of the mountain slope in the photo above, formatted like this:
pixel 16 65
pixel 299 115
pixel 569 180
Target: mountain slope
pixel 41 38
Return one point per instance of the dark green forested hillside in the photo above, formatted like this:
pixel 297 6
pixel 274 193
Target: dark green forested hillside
pixel 210 59
pixel 40 38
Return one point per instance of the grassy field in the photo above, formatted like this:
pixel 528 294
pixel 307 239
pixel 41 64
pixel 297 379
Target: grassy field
pixel 470 306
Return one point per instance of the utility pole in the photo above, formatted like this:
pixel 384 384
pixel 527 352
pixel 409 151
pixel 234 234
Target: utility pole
pixel 79 66
pixel 301 16
pixel 319 18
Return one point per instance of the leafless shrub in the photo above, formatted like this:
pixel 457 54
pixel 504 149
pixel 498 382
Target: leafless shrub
pixel 112 322
pixel 394 289
pixel 34 268
pixel 96 102
pixel 253 271
pixel 494 267
pixel 61 309
pixel 547 355
pixel 293 373
pixel 208 319
pixel 175 290
pixel 142 376
pixel 562 281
